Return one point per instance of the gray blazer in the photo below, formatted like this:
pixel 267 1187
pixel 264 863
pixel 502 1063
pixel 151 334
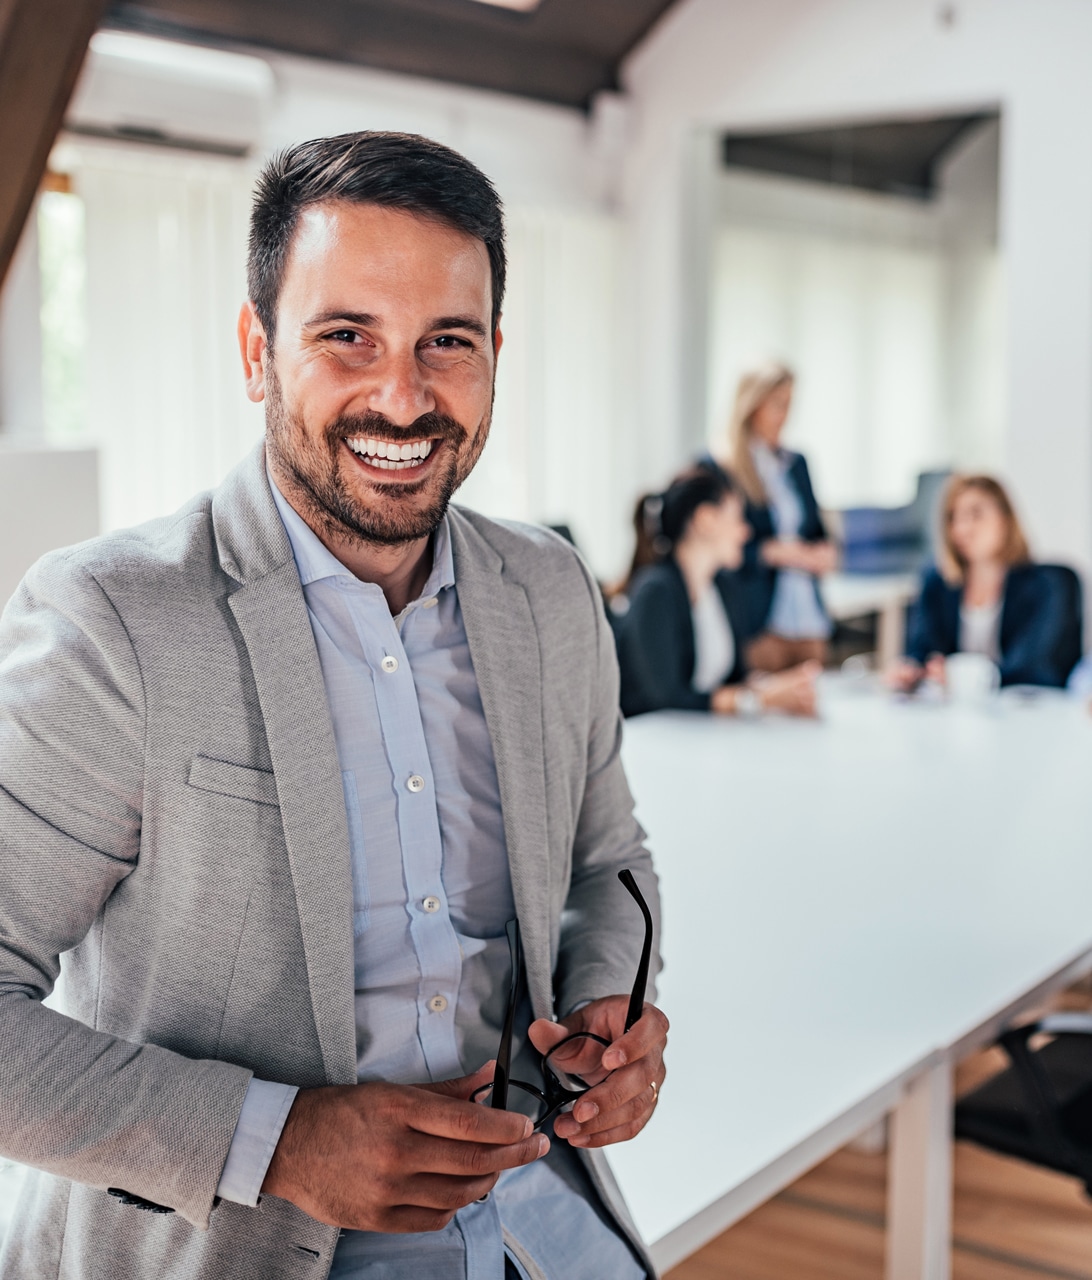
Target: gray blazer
pixel 173 844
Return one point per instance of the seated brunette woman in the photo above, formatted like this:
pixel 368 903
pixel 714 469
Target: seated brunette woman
pixel 988 597
pixel 788 549
pixel 680 644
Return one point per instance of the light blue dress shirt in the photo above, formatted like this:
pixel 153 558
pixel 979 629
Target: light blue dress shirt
pixel 431 896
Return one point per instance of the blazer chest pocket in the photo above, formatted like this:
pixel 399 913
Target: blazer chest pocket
pixel 237 780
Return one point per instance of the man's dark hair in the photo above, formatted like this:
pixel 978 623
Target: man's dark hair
pixel 395 170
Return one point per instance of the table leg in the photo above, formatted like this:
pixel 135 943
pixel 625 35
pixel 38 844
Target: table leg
pixel 919 1186
pixel 890 632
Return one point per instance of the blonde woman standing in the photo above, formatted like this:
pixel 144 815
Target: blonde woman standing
pixel 789 549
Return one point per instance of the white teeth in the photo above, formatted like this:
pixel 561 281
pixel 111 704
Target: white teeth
pixel 387 456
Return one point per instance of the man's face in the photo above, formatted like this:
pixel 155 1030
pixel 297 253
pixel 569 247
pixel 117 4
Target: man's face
pixel 379 385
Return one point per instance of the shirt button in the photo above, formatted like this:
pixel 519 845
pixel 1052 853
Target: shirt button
pixel 431 904
pixel 389 664
pixel 415 782
pixel 437 1004
pixel 430 603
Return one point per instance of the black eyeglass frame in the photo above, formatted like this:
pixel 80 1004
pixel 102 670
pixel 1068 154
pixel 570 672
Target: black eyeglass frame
pixel 557 1095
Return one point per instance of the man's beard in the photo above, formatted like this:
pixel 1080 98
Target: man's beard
pixel 315 471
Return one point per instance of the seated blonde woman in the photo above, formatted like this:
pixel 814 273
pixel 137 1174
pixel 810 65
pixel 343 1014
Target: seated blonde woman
pixel 788 549
pixel 987 596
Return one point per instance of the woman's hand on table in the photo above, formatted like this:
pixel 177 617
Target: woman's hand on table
pixel 905 675
pixel 791 692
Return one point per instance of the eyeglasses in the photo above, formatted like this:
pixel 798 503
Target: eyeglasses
pixel 562 1087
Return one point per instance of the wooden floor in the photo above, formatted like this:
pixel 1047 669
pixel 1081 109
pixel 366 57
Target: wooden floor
pixel 1012 1221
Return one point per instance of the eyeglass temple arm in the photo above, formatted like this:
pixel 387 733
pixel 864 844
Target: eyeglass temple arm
pixel 503 1072
pixel 640 983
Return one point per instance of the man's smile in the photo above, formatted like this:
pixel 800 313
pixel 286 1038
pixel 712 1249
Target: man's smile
pixel 389 455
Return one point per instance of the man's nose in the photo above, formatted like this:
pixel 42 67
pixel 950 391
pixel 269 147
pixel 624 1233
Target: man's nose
pixel 400 390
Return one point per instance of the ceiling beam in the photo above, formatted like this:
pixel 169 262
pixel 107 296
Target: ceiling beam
pixel 42 47
pixel 465 44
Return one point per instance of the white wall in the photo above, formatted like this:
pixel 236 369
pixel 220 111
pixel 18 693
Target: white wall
pixel 48 498
pixel 21 409
pixel 975 333
pixel 731 63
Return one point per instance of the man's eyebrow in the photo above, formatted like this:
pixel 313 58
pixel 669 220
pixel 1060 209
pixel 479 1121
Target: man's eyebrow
pixel 350 317
pixel 470 323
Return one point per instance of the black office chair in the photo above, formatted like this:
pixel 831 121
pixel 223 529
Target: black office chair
pixel 1040 1108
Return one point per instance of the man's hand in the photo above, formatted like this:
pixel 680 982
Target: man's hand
pixel 388 1157
pixel 626 1077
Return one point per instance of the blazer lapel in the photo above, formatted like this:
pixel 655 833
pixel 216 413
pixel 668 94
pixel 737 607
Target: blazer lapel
pixel 272 616
pixel 500 629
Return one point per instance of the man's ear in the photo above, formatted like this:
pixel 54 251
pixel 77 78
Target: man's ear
pixel 498 340
pixel 253 347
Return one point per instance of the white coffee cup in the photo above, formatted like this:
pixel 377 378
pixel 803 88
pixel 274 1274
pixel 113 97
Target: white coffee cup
pixel 972 678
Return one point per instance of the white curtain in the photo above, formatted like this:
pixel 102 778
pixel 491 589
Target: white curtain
pixel 165 246
pixel 863 326
pixel 552 455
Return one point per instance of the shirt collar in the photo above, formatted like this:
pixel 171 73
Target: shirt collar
pixel 315 561
pixel 768 461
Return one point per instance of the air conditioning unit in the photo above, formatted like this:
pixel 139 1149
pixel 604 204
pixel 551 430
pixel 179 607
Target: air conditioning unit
pixel 141 89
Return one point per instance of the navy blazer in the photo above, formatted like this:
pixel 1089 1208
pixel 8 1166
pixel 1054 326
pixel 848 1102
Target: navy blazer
pixel 655 637
pixel 758 580
pixel 1040 623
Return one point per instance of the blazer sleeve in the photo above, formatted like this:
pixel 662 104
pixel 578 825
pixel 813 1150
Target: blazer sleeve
pixel 812 529
pixel 761 521
pixel 732 594
pixel 79 1102
pixel 601 928
pixel 927 632
pixel 651 653
pixel 1037 621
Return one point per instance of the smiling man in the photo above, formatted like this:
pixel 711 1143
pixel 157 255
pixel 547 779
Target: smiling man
pixel 276 775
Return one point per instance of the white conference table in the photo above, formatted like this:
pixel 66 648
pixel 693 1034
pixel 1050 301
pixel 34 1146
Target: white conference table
pixel 850 906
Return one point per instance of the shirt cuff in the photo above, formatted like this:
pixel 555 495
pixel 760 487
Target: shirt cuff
pixel 257 1132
